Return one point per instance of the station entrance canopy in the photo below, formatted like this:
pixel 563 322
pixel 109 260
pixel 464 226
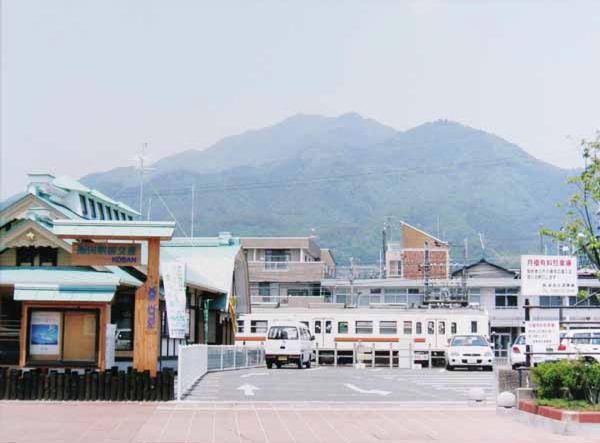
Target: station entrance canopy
pixel 146 340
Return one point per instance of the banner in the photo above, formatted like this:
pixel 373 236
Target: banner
pixel 173 274
pixel 45 333
pixel 542 334
pixel 548 275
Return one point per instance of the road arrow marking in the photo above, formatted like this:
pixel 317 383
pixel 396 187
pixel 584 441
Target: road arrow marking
pixel 366 391
pixel 253 374
pixel 248 389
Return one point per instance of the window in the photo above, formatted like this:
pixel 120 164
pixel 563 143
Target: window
pixel 101 211
pixel 283 333
pixel 375 290
pixel 240 326
pixel 26 256
pixel 328 326
pixel 442 327
pixel 418 328
pixel 342 327
pixel 317 326
pixel 388 327
pixel 66 336
pixel 473 327
pixel 48 256
pixel 475 296
pixel 93 208
pixel 408 327
pixel 116 214
pixel 550 300
pixel 41 256
pixel 572 300
pixel 123 216
pixel 507 298
pixel 264 289
pixel 258 326
pixel 84 208
pixel 395 268
pixel 109 213
pixel 430 328
pixel 364 327
pixel 453 328
pixel 305 323
pixel 129 217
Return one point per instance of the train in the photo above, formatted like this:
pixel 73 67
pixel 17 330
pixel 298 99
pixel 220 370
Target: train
pixel 338 332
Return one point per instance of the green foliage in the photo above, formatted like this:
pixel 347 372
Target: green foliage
pixel 572 405
pixel 581 226
pixel 568 380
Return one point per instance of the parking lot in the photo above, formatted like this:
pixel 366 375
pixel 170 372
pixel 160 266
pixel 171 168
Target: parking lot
pixel 341 384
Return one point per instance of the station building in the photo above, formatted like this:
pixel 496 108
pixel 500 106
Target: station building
pixel 56 314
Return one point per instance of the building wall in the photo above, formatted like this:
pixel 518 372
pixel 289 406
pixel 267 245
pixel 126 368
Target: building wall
pixel 413 262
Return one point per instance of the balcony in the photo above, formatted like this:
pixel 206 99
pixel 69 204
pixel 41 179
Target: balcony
pixel 286 271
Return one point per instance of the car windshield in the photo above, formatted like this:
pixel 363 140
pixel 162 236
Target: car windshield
pixel 283 333
pixel 468 340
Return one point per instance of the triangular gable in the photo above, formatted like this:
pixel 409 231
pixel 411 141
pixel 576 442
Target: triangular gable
pixel 485 269
pixel 415 238
pixel 18 209
pixel 19 236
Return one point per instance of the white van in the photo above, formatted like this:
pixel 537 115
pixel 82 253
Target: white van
pixel 288 342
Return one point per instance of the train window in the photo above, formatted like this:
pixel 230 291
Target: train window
pixel 430 328
pixel 240 326
pixel 328 327
pixel 387 327
pixel 364 327
pixel 453 328
pixel 342 327
pixel 408 327
pixel 473 327
pixel 258 326
pixel 317 326
pixel 442 328
pixel 418 328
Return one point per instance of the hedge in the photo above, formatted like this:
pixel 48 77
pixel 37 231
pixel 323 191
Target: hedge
pixel 569 380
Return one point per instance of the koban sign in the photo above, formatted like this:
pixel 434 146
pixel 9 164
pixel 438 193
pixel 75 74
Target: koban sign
pixel 90 253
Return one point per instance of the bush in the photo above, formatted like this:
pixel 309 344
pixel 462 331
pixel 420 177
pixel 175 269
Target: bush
pixel 569 380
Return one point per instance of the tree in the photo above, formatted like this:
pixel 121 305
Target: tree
pixel 581 227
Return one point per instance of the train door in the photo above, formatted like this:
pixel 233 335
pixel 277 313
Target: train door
pixel 437 333
pixel 323 328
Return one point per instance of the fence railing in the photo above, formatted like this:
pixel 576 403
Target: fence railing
pixel 196 360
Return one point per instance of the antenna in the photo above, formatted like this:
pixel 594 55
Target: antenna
pixel 481 240
pixel 142 168
pixel 192 217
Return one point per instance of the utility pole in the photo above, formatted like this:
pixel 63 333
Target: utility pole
pixel 192 217
pixel 149 208
pixel 144 147
pixel 426 270
pixel 464 272
pixel 351 281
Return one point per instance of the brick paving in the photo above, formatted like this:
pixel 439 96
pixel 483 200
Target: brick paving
pixel 269 422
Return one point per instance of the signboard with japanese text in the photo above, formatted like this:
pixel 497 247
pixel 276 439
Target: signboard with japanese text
pixel 542 334
pixel 105 254
pixel 173 274
pixel 548 275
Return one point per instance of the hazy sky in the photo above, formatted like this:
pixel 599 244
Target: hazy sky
pixel 85 83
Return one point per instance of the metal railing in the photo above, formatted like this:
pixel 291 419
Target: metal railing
pixel 196 360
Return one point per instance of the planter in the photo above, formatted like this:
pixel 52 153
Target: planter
pixel 562 415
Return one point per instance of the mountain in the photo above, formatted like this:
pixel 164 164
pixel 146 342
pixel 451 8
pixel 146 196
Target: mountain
pixel 339 178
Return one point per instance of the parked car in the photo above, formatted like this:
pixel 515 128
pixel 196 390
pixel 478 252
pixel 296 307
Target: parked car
pixel 288 342
pixel 581 344
pixel 123 339
pixel 518 352
pixel 469 351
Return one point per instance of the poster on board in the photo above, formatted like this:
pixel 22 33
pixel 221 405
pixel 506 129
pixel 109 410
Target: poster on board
pixel 45 333
pixel 548 275
pixel 173 274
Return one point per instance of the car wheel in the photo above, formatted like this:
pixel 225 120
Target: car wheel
pixel 308 363
pixel 449 368
pixel 269 365
pixel 300 362
pixel 278 365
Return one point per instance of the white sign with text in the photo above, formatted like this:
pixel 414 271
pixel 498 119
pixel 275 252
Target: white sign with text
pixel 542 334
pixel 548 275
pixel 173 274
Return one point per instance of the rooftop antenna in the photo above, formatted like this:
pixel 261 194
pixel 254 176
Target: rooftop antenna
pixel 142 168
pixel 482 241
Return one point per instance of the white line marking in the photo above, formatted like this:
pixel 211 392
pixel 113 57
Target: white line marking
pixel 248 389
pixel 254 374
pixel 366 391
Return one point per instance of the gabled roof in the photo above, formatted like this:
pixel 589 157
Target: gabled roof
pixel 482 261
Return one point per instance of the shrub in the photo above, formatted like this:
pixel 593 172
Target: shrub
pixel 568 379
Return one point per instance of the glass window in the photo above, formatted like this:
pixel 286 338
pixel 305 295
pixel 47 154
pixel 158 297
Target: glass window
pixel 305 323
pixel 520 340
pixel 283 333
pixel 129 217
pixel 342 327
pixel 453 328
pixel 473 327
pixel 317 326
pixel 408 327
pixel 581 338
pixel 84 208
pixel 442 327
pixel 258 326
pixel 123 216
pixel 240 326
pixel 328 326
pixel 93 208
pixel 430 328
pixel 550 300
pixel 418 328
pixel 364 327
pixel 116 214
pixel 101 211
pixel 507 298
pixel 109 213
pixel 467 340
pixel 387 327
pixel 475 296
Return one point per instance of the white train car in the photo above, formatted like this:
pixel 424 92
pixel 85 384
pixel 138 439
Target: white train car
pixel 338 331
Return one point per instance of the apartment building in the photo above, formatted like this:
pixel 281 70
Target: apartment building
pixel 283 267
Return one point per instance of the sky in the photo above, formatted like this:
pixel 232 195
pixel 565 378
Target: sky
pixel 84 84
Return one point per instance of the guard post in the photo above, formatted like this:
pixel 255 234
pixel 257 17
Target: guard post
pixel 527 346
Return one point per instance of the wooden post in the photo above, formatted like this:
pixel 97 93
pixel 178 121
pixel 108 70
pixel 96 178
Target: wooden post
pixel 147 318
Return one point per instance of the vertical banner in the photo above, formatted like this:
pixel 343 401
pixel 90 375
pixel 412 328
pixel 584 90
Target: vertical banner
pixel 173 274
pixel 548 275
pixel 45 333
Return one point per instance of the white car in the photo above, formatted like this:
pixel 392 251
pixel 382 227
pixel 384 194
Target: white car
pixel 518 353
pixel 288 342
pixel 581 343
pixel 469 351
